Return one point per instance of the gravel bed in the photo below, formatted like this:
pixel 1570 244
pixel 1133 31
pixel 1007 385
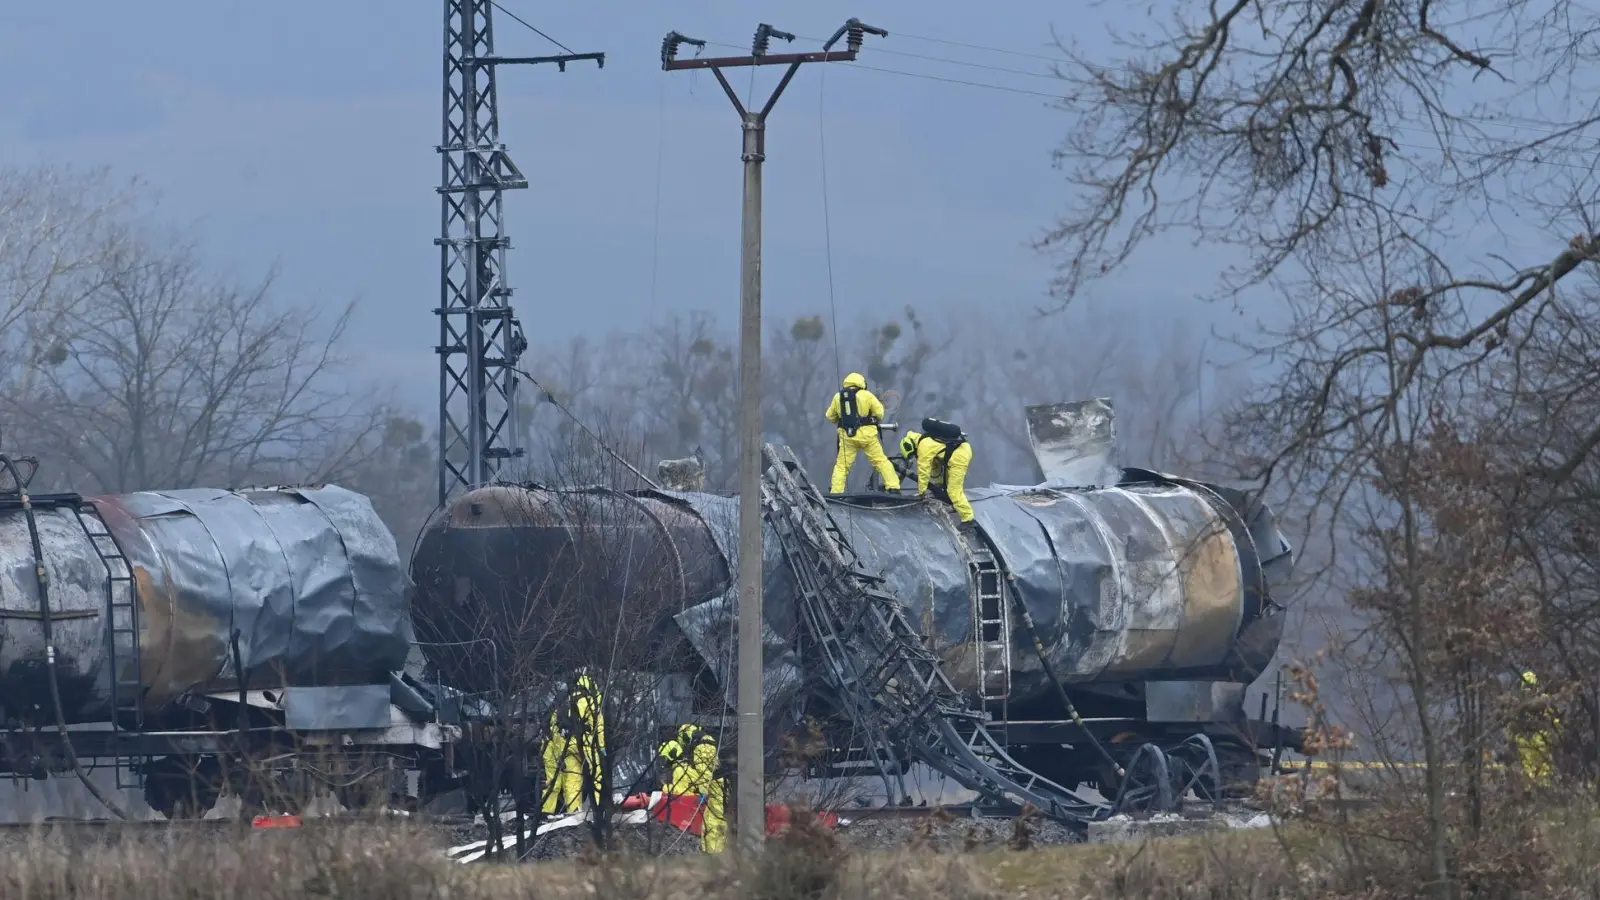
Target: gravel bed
pixel 865 832
pixel 944 833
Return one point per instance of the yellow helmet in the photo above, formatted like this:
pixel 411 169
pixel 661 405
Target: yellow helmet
pixel 1529 679
pixel 908 444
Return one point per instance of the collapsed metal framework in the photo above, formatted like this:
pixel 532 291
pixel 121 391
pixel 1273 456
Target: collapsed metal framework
pixel 892 687
pixel 480 339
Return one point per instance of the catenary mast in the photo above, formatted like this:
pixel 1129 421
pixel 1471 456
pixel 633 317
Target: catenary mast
pixel 480 339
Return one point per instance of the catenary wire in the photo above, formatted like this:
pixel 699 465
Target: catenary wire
pixel 579 422
pixel 528 25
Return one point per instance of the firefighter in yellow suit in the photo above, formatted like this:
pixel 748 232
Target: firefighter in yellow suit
pixel 691 760
pixel 575 750
pixel 942 462
pixel 1534 744
pixel 857 411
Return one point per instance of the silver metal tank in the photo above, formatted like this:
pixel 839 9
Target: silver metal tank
pixel 308 578
pixel 1143 582
pixel 1140 582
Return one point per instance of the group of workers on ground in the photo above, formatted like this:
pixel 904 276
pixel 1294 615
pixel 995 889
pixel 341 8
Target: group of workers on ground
pixel 942 454
pixel 687 764
pixel 575 751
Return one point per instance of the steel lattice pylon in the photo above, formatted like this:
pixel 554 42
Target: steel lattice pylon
pixel 479 337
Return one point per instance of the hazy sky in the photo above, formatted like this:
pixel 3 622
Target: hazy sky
pixel 302 133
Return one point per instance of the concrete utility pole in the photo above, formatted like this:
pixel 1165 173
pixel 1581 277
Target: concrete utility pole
pixel 751 809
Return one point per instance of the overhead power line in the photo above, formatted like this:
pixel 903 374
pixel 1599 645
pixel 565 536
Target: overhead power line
pixel 950 43
pixel 528 25
pixel 1513 126
pixel 1512 123
pixel 961 81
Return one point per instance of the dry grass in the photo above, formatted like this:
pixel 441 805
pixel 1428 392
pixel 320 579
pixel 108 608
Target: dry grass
pixel 1558 855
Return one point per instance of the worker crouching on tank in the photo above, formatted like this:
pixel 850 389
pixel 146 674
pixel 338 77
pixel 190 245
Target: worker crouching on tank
pixel 943 456
pixel 857 412
pixel 688 768
pixel 575 750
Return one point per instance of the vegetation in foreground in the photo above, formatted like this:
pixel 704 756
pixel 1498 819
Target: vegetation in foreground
pixel 1539 849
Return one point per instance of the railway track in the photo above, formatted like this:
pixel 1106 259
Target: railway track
pixel 200 825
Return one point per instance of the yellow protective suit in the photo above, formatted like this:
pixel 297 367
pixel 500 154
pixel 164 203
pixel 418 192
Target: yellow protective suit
pixel 870 409
pixel 1534 744
pixel 575 750
pixel 672 769
pixel 692 761
pixel 934 468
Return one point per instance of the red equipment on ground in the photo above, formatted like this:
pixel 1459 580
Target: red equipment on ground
pixel 683 812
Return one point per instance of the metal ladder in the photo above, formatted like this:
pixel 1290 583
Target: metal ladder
pixel 991 624
pixel 891 686
pixel 122 639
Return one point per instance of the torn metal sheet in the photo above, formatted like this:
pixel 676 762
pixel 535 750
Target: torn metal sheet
pixel 712 627
pixel 1075 443
pixel 309 578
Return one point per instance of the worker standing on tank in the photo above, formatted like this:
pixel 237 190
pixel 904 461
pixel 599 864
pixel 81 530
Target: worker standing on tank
pixel 943 455
pixel 575 751
pixel 857 411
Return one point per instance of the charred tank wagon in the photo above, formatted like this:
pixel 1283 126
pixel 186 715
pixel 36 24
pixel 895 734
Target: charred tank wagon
pixel 215 640
pixel 1151 597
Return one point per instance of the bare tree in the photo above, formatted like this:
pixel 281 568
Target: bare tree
pixel 169 378
pixel 396 466
pixel 56 226
pixel 1294 130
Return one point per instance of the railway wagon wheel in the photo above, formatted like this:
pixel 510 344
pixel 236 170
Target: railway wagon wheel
pixel 182 787
pixel 1195 769
pixel 1145 787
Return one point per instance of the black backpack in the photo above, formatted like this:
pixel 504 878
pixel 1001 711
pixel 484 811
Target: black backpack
pixel 950 438
pixel 849 416
pixel 568 719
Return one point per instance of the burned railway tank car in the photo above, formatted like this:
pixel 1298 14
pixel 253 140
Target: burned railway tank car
pixel 156 613
pixel 1133 587
pixel 305 582
pixel 1152 598
pixel 509 573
